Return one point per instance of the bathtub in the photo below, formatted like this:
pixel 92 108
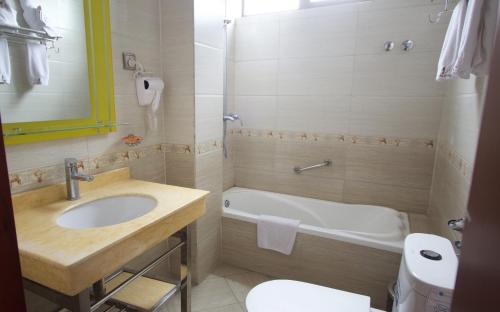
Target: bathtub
pixel 370 226
pixel 355 248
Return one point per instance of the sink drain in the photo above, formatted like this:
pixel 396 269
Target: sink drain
pixel 227 203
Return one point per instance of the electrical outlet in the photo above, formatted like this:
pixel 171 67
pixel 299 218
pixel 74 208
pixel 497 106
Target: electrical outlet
pixel 129 61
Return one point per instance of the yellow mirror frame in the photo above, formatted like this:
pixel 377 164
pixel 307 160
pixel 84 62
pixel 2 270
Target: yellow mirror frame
pixel 101 88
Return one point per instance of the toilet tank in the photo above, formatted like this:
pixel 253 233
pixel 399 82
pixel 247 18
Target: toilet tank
pixel 426 275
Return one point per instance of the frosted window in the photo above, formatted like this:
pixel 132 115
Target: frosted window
pixel 252 7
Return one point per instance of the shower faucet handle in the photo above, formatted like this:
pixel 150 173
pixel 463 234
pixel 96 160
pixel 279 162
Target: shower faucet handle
pixel 457 224
pixel 233 117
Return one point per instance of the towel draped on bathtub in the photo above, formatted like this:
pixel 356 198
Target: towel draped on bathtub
pixel 276 233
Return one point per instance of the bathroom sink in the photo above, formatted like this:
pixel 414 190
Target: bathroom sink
pixel 107 211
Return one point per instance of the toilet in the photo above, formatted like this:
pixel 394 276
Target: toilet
pixel 425 282
pixel 426 275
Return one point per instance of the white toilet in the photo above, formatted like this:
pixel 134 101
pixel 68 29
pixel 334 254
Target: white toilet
pixel 426 278
pixel 426 275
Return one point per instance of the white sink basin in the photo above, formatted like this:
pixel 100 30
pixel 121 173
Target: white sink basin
pixel 107 211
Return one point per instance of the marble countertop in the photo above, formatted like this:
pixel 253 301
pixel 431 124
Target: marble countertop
pixel 70 260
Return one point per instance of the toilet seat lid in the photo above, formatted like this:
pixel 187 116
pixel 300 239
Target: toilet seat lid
pixel 294 296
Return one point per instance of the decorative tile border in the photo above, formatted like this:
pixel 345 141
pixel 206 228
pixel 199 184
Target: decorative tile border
pixel 178 148
pixel 42 176
pixel 326 137
pixel 47 175
pixel 208 146
pixel 455 159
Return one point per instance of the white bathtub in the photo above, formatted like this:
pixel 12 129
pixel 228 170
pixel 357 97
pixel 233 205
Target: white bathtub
pixel 369 226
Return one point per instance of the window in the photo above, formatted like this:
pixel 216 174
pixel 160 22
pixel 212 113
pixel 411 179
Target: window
pixel 254 7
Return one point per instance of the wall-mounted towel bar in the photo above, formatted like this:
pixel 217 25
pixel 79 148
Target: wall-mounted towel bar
pixel 26 34
pixel 299 170
pixel 437 18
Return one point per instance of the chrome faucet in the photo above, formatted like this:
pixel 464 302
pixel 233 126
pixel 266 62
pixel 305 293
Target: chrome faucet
pixel 72 178
pixel 232 117
pixel 457 225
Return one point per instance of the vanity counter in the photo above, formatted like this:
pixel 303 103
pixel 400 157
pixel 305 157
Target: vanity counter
pixel 70 260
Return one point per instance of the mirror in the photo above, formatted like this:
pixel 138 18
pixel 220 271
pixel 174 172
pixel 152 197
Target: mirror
pixel 74 96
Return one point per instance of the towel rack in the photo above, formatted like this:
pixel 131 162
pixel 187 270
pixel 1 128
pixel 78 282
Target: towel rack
pixel 26 34
pixel 441 13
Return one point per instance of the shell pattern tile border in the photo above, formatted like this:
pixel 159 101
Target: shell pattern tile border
pixel 42 176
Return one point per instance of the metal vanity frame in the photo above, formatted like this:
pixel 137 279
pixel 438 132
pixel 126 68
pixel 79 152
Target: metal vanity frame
pixel 94 298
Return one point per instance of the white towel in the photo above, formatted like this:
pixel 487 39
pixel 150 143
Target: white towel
pixel 277 233
pixel 5 72
pixel 37 63
pixel 8 15
pixel 484 49
pixel 37 18
pixel 451 46
pixel 468 45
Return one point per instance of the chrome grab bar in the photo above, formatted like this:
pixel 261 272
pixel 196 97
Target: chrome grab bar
pixel 299 170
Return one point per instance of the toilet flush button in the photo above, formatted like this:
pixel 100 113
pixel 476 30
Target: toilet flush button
pixel 431 255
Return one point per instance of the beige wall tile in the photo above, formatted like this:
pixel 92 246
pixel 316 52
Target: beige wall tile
pixel 391 165
pixel 254 153
pixel 211 221
pixel 206 254
pixel 149 169
pixel 180 169
pixel 209 171
pixel 317 114
pixel 392 196
pixel 331 35
pixel 256 112
pixel 179 119
pixel 315 76
pixel 455 155
pixel 449 196
pixel 421 223
pixel 208 118
pixel 254 178
pixel 408 117
pixel 256 41
pixel 228 170
pixel 208 70
pixel 256 77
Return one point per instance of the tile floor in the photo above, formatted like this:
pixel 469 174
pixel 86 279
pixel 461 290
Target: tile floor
pixel 224 290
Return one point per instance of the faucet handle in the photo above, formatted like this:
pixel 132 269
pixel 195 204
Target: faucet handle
pixel 457 224
pixel 70 162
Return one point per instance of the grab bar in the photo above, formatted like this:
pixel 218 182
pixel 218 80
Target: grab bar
pixel 299 170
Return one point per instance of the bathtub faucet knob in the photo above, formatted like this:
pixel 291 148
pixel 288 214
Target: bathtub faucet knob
pixel 457 225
